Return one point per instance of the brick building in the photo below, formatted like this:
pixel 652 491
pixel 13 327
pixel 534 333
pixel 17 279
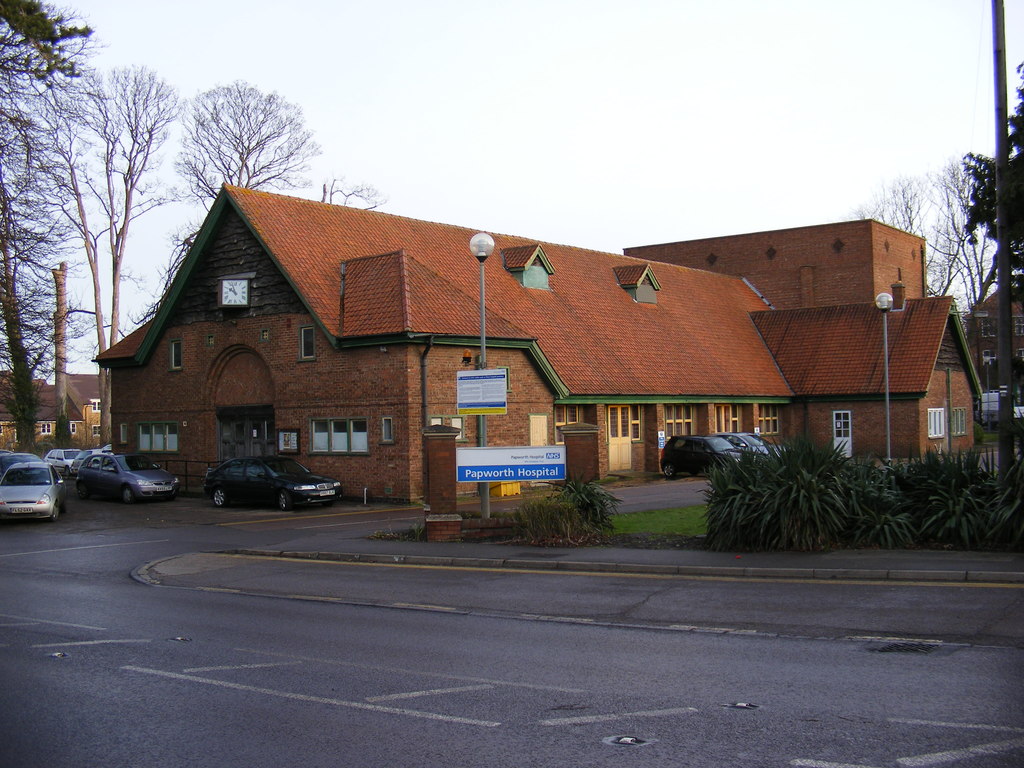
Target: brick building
pixel 335 334
pixel 982 328
pixel 816 266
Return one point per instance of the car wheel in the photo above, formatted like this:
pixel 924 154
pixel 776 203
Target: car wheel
pixel 127 495
pixel 668 469
pixel 83 492
pixel 54 514
pixel 220 499
pixel 284 501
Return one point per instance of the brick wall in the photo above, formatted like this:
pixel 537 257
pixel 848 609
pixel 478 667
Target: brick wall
pixel 824 265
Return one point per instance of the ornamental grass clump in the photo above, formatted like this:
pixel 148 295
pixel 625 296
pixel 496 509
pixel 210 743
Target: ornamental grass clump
pixel 953 498
pixel 552 522
pixel 791 499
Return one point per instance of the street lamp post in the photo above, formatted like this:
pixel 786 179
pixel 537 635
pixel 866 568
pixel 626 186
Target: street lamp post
pixel 481 245
pixel 884 303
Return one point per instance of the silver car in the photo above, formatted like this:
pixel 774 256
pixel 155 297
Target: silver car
pixel 32 489
pixel 130 477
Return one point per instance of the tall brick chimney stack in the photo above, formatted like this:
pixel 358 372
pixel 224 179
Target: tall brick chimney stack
pixel 899 296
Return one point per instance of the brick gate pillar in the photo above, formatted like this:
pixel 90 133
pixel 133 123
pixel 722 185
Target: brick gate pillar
pixel 441 520
pixel 582 457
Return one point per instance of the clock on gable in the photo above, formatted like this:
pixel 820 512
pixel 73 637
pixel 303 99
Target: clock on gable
pixel 234 292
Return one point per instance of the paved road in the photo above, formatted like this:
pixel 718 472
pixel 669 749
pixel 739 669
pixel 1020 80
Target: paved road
pixel 445 667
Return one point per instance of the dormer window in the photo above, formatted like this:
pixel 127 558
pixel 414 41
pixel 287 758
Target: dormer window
pixel 639 282
pixel 529 264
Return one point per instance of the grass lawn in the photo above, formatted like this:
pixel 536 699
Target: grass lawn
pixel 687 521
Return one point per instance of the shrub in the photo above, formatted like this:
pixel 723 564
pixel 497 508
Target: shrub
pixel 553 522
pixel 874 514
pixel 791 499
pixel 951 497
pixel 595 504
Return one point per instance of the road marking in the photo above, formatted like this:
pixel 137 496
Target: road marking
pixel 825 764
pixel 340 525
pixel 88 642
pixel 314 699
pixel 312 517
pixel 90 546
pixel 942 724
pixel 229 667
pixel 434 692
pixel 55 623
pixel 419 672
pixel 616 716
pixel 953 755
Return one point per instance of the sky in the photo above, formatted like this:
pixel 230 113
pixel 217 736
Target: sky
pixel 597 124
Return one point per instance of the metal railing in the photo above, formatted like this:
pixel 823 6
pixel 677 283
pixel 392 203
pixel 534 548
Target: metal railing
pixel 190 472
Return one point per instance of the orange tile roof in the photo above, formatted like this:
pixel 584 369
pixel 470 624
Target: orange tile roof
pixel 838 350
pixel 409 276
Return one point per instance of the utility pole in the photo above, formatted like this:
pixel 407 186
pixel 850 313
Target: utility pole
pixel 1005 307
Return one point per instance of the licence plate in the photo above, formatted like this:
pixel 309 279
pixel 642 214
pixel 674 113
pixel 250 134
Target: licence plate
pixel 326 493
pixel 23 510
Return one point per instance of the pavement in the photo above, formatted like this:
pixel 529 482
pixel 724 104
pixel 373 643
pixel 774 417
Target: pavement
pixel 255 569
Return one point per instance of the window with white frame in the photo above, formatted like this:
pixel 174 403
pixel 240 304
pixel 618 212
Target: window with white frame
pixel 339 436
pixel 387 429
pixel 768 419
pixel 95 430
pixel 74 427
pixel 678 420
pixel 1018 325
pixel 124 433
pixel 451 421
pixel 46 428
pixel 936 422
pixel 958 421
pixel 727 418
pixel 566 414
pixel 158 436
pixel 307 344
pixel 174 348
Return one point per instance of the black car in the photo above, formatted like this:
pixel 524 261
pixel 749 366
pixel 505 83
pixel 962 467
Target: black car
pixel 268 480
pixel 693 453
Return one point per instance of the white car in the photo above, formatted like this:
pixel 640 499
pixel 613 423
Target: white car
pixel 60 459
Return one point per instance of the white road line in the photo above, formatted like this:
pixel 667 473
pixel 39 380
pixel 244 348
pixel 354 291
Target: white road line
pixel 91 546
pixel 313 699
pixel 825 764
pixel 243 666
pixel 943 724
pixel 418 672
pixel 434 692
pixel 88 642
pixel 20 624
pixel 616 716
pixel 954 755
pixel 358 522
pixel 55 623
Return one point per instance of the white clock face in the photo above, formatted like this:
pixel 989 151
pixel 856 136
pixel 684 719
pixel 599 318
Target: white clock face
pixel 234 293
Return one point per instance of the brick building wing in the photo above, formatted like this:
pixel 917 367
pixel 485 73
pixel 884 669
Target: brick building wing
pixel 338 332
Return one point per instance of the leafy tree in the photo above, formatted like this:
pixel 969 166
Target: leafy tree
pixel 37 42
pixel 982 217
pixel 39 48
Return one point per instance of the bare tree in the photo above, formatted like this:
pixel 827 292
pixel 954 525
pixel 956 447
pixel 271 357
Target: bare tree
pixel 109 134
pixel 366 196
pixel 934 206
pixel 237 134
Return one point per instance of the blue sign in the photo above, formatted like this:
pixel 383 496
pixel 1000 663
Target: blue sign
pixel 521 463
pixel 481 393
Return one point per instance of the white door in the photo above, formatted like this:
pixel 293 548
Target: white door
pixel 842 431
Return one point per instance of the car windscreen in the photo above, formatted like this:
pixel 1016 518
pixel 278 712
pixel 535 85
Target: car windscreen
pixel 27 476
pixel 285 467
pixel 719 444
pixel 135 463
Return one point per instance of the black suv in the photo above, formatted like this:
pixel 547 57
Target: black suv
pixel 693 454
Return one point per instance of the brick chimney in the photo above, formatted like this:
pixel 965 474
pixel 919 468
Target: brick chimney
pixel 899 296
